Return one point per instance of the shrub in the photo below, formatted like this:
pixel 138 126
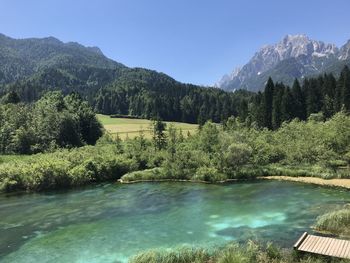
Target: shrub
pixel 208 174
pixel 65 168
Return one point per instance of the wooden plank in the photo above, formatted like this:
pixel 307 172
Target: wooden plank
pixel 338 250
pixel 335 248
pixel 347 252
pixel 326 245
pixel 345 247
pixel 323 246
pixel 304 246
pixel 330 247
pixel 300 240
pixel 315 246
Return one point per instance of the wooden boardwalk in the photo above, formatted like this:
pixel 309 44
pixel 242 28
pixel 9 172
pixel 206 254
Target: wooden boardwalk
pixel 323 246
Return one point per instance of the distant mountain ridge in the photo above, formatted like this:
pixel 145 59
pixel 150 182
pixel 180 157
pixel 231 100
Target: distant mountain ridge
pixel 32 67
pixel 21 58
pixel 295 56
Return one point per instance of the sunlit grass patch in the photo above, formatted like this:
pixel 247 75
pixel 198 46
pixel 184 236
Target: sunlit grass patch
pixel 130 128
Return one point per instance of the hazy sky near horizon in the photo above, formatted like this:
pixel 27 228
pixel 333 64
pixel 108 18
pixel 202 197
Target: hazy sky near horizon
pixel 192 41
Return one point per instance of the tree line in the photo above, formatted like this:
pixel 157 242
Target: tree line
pixel 152 95
pixel 279 103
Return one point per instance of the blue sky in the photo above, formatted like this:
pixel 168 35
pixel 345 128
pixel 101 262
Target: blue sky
pixel 192 41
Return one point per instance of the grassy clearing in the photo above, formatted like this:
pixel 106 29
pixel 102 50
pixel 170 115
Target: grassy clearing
pixel 131 127
pixel 232 253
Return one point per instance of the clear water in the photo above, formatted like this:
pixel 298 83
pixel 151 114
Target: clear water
pixel 109 223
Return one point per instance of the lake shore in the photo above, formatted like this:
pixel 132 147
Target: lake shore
pixel 344 183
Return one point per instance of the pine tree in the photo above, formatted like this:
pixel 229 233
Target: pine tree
pixel 11 98
pixel 268 101
pixel 299 110
pixel 159 137
pixel 346 88
pixel 314 97
pixel 276 109
pixel 243 110
pixel 287 105
pixel 329 95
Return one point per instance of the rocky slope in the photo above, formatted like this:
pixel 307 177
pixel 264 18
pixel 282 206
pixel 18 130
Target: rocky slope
pixel 295 56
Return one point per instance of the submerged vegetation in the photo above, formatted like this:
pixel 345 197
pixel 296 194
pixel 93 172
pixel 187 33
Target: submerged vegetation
pixel 231 253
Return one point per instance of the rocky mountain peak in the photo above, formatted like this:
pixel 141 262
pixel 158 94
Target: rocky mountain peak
pixel 299 47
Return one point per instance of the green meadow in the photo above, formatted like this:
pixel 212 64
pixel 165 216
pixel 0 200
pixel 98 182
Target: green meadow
pixel 130 128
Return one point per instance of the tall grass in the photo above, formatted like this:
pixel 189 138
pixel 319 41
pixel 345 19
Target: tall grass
pixel 231 253
pixel 336 222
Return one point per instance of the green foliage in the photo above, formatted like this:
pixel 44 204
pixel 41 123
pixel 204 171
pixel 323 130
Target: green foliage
pixel 65 168
pixel 159 137
pixel 234 151
pixel 280 103
pixel 52 122
pixel 336 222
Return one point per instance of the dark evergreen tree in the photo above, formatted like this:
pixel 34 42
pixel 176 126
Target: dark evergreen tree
pixel 268 101
pixel 277 106
pixel 313 97
pixel 299 108
pixel 11 97
pixel 159 137
pixel 287 105
pixel 346 88
pixel 243 110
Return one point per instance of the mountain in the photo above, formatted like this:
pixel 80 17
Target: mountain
pixel 21 58
pixel 295 56
pixel 31 67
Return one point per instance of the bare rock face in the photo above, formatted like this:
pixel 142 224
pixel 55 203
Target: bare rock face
pixel 295 56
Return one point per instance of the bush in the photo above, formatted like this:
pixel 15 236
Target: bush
pixel 145 175
pixel 209 174
pixel 65 168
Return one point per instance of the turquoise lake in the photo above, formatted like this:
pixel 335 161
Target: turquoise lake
pixel 111 222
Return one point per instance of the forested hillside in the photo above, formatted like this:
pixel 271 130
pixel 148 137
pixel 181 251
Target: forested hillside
pixel 33 67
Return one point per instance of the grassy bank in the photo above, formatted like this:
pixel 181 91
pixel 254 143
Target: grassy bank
pixel 232 253
pixel 335 222
pixel 306 174
pixel 64 169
